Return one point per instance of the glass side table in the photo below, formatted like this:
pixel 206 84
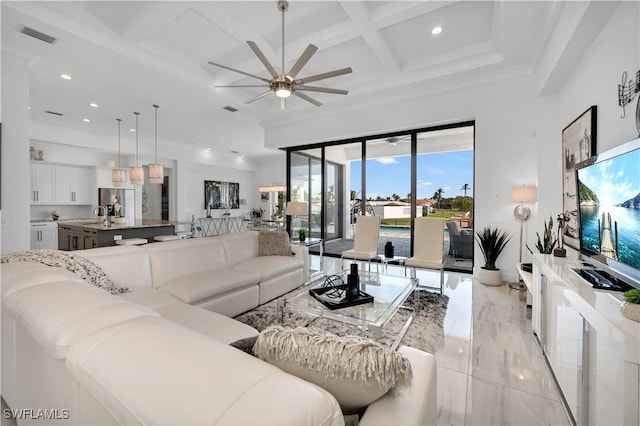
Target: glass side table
pixel 395 260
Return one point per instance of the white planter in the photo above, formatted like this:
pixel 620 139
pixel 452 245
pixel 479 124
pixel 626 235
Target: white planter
pixel 490 277
pixel 631 310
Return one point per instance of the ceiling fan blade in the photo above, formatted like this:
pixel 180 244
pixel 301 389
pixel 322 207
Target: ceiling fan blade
pixel 323 89
pixel 302 60
pixel 263 59
pixel 259 96
pixel 238 71
pixel 324 75
pixel 244 85
pixel 307 98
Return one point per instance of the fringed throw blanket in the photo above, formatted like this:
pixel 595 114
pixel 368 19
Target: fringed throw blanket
pixel 84 268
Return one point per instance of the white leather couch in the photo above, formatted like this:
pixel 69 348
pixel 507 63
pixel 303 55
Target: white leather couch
pixel 74 354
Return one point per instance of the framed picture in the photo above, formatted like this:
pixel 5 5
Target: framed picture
pixel 221 195
pixel 578 144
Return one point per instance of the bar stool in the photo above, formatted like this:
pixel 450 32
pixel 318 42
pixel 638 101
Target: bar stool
pixel 166 237
pixel 132 242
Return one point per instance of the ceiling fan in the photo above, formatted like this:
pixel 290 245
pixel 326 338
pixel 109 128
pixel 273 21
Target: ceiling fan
pixel 286 84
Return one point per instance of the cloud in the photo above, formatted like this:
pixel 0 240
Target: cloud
pixel 425 183
pixel 387 160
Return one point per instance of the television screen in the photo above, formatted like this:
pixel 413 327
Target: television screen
pixel 609 206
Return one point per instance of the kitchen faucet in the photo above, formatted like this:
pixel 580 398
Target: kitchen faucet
pixel 105 221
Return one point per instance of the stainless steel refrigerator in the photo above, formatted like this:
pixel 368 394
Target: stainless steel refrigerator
pixel 119 204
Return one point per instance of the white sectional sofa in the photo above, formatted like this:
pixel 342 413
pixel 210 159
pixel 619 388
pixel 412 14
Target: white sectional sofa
pixel 154 355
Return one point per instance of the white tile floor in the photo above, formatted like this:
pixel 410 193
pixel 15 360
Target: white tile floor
pixel 490 370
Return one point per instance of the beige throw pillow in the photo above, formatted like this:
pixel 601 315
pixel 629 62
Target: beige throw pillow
pixel 355 370
pixel 273 243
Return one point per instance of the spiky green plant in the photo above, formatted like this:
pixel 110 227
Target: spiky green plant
pixel 548 242
pixel 492 242
pixel 632 296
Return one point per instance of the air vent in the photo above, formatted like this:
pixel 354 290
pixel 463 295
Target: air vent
pixel 54 113
pixel 37 34
pixel 230 108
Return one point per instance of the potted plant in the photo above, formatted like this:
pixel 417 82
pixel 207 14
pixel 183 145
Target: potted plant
pixel 302 234
pixel 631 306
pixel 548 242
pixel 492 242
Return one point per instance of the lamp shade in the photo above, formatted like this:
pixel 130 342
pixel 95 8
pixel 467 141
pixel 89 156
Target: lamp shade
pixel 119 177
pixel 296 208
pixel 137 175
pixel 156 173
pixel 524 194
pixel 272 188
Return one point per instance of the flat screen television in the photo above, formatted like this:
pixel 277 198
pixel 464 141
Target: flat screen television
pixel 609 211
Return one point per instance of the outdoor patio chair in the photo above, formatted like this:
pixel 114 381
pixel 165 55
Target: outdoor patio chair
pixel 461 241
pixel 428 247
pixel 365 240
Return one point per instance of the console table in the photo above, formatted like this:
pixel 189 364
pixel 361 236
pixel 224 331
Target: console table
pixel 592 349
pixel 221 225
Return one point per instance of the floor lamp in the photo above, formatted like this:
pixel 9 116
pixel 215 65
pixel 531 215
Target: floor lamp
pixel 522 213
pixel 296 208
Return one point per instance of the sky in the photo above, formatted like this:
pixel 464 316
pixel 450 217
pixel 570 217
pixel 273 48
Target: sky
pixel 386 176
pixel 614 181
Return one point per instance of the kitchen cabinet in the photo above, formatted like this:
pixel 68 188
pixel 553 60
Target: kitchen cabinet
pixel 44 235
pixel 72 238
pixel 73 185
pixel 42 183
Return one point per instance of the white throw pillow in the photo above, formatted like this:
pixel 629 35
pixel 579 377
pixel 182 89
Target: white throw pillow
pixel 355 370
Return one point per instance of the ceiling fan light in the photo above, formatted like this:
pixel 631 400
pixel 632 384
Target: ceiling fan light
pixel 283 91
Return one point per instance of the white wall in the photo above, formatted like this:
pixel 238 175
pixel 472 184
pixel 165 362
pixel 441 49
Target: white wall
pixel 16 178
pixel 593 82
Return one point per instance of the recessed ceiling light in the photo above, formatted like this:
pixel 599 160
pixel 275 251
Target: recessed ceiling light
pixel 65 76
pixel 436 30
pixel 86 120
pixel 93 105
pixel 132 130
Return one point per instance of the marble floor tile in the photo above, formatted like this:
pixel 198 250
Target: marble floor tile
pixel 491 404
pixel 452 390
pixel 490 369
pixel 454 355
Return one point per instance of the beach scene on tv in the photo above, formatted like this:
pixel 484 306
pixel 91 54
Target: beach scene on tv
pixel 609 199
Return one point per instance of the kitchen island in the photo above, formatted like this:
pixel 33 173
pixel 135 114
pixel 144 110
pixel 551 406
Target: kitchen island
pixel 85 234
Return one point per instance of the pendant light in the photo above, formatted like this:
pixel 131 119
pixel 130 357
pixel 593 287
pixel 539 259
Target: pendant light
pixel 156 171
pixel 119 175
pixel 136 172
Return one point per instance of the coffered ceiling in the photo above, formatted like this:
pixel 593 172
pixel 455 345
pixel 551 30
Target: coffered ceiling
pixel 127 55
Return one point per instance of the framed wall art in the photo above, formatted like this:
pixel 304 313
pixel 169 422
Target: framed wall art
pixel 221 195
pixel 578 144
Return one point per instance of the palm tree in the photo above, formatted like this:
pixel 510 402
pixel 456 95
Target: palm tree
pixel 465 188
pixel 438 195
pixel 395 196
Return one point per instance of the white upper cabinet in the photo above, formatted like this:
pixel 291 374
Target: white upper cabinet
pixel 74 185
pixel 42 183
pixel 58 184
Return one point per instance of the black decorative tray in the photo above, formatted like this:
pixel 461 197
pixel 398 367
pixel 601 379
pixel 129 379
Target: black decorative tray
pixel 319 294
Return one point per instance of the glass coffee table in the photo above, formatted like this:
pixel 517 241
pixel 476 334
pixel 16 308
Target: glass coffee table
pixel 389 293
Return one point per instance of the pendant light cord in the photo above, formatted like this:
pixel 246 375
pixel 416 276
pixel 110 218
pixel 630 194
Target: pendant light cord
pixel 136 114
pixel 119 120
pixel 156 132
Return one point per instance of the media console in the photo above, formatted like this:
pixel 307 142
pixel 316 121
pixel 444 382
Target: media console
pixel 600 279
pixel 592 349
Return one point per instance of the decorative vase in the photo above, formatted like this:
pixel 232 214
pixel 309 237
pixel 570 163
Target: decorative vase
pixel 490 276
pixel 389 250
pixel 302 237
pixel 631 311
pixel 353 283
pixel 55 217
